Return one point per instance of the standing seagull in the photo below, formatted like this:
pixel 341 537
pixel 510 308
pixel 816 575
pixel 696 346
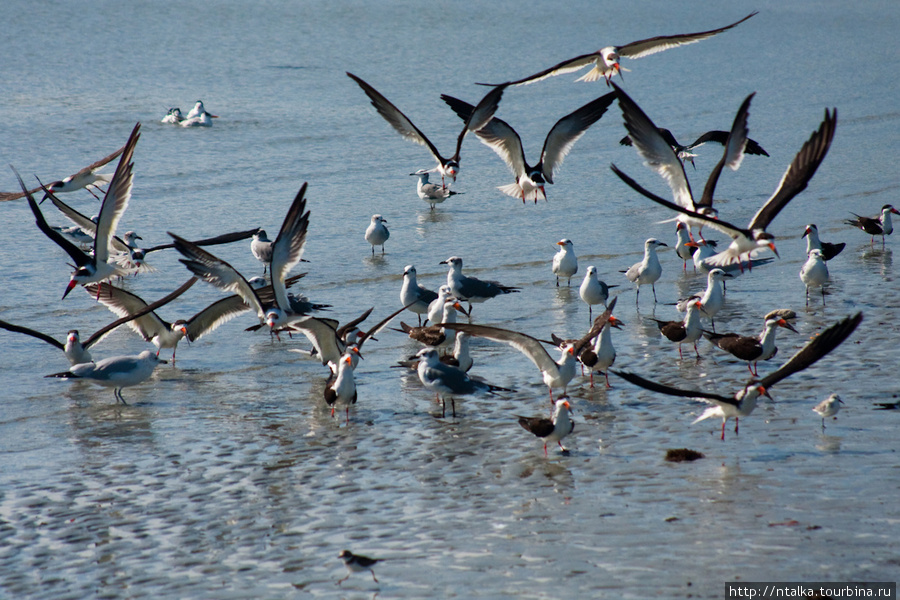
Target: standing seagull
pixel 752 348
pixel 472 289
pixel 413 296
pixel 445 380
pixel 447 167
pixel 880 225
pixel 742 403
pixel 606 60
pixel 648 270
pixel 116 372
pixel 593 291
pixel 431 193
pixel 261 248
pixel 828 407
pixel 829 251
pixel 506 143
pixel 555 373
pixel 755 236
pixel 713 299
pixel 814 273
pixel 553 429
pixel 377 233
pixel 90 268
pixel 565 263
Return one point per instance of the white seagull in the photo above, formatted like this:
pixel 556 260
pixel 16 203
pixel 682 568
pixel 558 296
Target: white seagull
pixel 814 273
pixel 593 291
pixel 445 380
pixel 500 137
pixel 377 232
pixel 742 403
pixel 648 271
pixel 116 372
pixel 412 295
pixel 431 193
pixel 447 167
pixel 713 299
pixel 472 289
pixel 606 60
pixel 565 263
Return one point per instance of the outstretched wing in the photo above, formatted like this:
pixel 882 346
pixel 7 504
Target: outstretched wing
pixel 569 130
pixel 664 42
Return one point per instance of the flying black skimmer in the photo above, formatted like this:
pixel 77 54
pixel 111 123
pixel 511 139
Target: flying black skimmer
pixel 553 429
pixel 752 348
pixel 88 225
pixel 606 60
pixel 445 380
pixel 431 193
pixel 472 289
pixel 135 257
pixel 828 407
pixel 447 167
pixel 659 156
pixel 173 117
pixel 555 373
pixel 356 563
pixel 713 298
pixel 742 403
pixel 880 225
pixel 565 263
pixel 340 390
pixel 413 295
pixel 814 273
pixel 829 251
pixel 687 331
pixel 648 271
pixel 287 250
pixel 90 268
pixel 116 372
pixel 683 152
pixel 78 352
pixel 500 137
pixel 377 233
pixel 593 291
pixel 87 178
pixel 755 236
pixel 159 332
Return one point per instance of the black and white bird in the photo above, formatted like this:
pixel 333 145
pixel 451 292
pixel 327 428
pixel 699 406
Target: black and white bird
pixel 117 372
pixel 446 380
pixel 340 389
pixel 687 331
pixel 357 563
pixel 606 60
pixel 752 348
pixel 743 402
pixel 754 236
pixel 447 167
pixel 472 289
pixel 602 355
pixel 95 267
pixel 500 137
pixel 683 152
pixel 554 429
pixel 565 263
pixel 829 250
pixel 878 225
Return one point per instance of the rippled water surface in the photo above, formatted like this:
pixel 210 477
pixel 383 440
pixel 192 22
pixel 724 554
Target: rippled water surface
pixel 226 477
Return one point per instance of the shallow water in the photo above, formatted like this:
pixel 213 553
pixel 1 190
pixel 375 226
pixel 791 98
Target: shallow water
pixel 226 477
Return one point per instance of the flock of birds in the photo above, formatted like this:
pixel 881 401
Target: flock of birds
pixel 100 259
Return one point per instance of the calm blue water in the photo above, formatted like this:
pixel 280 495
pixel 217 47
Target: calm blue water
pixel 225 477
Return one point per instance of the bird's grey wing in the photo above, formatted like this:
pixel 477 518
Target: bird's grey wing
pixel 124 304
pixel 567 66
pixel 287 249
pixel 799 172
pixel 214 315
pixel 322 334
pixel 655 150
pixel 118 194
pixel 596 328
pixel 569 130
pixel 496 134
pixel 524 343
pixel 664 42
pixel 733 156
